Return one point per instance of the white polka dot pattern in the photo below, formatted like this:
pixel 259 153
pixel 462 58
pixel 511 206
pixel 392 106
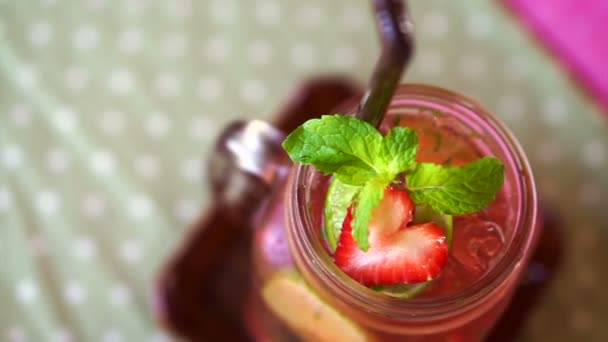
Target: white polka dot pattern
pixel 62 335
pixel 26 291
pixel 85 38
pixel 93 205
pixel 74 294
pixel 20 115
pixel 130 41
pixel 47 202
pixel 120 295
pixel 121 82
pixel 40 34
pixel 11 157
pixel 6 199
pixel 103 163
pixel 58 160
pixel 84 248
pixel 140 207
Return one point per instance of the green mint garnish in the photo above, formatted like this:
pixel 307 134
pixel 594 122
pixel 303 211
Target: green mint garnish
pixel 399 150
pixel 456 190
pixel 337 145
pixel 358 156
pixel 368 199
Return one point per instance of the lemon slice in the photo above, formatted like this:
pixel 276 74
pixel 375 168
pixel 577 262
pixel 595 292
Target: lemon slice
pixel 312 319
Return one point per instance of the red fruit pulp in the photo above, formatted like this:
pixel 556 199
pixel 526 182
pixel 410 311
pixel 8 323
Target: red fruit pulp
pixel 399 253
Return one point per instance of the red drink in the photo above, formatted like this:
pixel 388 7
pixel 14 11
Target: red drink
pixel 309 297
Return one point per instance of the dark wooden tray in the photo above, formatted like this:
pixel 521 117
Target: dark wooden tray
pixel 201 289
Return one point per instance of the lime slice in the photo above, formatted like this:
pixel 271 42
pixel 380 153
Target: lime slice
pixel 339 197
pixel 312 319
pixel 403 291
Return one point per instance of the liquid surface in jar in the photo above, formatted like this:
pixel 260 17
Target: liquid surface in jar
pixel 478 239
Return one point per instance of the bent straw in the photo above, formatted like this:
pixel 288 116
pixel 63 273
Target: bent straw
pixel 396 32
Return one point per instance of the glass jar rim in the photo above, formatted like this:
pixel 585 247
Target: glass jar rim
pixel 353 295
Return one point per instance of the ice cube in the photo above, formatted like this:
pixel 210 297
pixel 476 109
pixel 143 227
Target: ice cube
pixel 477 244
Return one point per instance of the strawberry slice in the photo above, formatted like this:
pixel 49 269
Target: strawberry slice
pixel 399 253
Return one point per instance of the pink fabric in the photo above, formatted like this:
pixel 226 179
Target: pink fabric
pixel 577 32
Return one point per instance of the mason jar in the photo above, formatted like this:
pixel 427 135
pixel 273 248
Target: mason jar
pixel 300 294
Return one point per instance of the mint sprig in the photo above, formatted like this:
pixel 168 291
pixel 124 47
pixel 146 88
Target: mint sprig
pixel 356 154
pixel 399 150
pixel 337 145
pixel 456 190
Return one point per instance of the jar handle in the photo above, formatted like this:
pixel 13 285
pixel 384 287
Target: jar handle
pixel 183 294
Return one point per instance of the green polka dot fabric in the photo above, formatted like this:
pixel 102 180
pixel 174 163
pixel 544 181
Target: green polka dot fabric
pixel 108 111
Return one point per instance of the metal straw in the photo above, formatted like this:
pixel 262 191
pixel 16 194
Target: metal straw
pixel 396 32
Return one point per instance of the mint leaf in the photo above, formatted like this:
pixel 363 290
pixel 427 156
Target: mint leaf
pixel 347 147
pixel 399 150
pixel 353 175
pixel 339 197
pixel 456 190
pixel 368 199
